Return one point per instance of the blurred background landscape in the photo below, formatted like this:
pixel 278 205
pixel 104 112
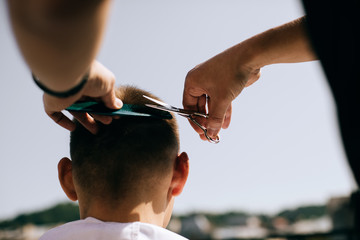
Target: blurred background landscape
pixel 333 220
pixel 280 166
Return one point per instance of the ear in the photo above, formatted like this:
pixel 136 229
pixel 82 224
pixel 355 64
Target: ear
pixel 180 175
pixel 66 178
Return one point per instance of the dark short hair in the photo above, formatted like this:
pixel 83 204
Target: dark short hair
pixel 126 155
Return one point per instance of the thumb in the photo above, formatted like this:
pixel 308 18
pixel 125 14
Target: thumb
pixel 217 111
pixel 111 101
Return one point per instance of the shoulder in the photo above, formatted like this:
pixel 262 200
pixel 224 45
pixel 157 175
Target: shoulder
pixel 91 228
pixel 87 229
pixel 149 231
pixel 59 231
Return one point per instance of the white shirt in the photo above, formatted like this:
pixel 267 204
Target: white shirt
pixel 92 228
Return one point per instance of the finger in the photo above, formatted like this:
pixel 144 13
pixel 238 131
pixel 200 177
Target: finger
pixel 217 110
pixel 202 104
pixel 101 85
pixel 191 94
pixel 111 101
pixel 201 108
pixel 62 120
pixel 190 101
pixel 227 119
pixel 195 127
pixel 104 119
pixel 86 120
pixel 203 137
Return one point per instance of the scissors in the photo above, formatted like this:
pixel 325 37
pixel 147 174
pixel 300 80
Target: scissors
pixel 189 114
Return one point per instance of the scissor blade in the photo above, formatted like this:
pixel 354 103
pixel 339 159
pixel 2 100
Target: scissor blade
pixel 187 112
pixel 158 102
pixel 159 107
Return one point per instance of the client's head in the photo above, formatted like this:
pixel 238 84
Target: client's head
pixel 130 170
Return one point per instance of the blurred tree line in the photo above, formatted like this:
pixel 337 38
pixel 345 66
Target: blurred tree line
pixel 66 212
pixel 60 213
pixel 307 212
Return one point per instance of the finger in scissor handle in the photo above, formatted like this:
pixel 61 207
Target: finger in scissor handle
pixel 212 140
pixel 204 134
pixel 196 127
pixel 201 108
pixel 199 131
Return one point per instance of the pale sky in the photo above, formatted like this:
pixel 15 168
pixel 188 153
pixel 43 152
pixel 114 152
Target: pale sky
pixel 282 148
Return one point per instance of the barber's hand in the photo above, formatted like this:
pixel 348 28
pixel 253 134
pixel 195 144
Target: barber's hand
pixel 214 84
pixel 99 87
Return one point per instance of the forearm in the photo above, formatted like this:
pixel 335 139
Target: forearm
pixel 223 77
pixel 59 39
pixel 287 43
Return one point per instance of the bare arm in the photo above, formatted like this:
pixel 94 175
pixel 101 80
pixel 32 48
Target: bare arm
pixel 223 77
pixel 59 39
pixel 287 43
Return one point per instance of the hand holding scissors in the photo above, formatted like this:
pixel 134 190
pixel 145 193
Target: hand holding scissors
pixel 189 114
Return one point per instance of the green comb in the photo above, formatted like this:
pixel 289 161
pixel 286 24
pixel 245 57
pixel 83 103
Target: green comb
pixel 126 110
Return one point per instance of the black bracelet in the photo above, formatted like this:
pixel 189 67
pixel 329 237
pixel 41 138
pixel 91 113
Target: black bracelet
pixel 65 94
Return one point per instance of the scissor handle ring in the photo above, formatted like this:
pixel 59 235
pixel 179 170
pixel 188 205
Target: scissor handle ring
pixel 216 140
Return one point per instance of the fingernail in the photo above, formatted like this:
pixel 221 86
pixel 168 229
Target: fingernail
pixel 118 103
pixel 212 132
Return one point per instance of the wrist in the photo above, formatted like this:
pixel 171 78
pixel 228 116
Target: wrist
pixel 253 53
pixel 63 94
pixel 247 61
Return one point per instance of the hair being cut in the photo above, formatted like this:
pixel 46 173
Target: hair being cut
pixel 126 155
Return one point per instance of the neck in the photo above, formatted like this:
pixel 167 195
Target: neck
pixel 146 212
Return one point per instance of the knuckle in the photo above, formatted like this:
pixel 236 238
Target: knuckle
pixel 192 74
pixel 216 121
pixel 189 75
